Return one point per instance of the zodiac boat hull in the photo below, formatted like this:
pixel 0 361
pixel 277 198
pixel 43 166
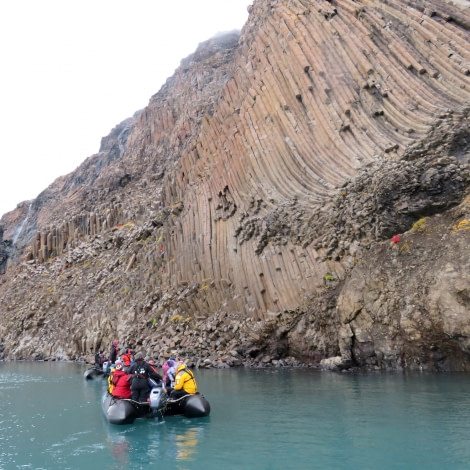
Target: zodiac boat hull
pixel 126 411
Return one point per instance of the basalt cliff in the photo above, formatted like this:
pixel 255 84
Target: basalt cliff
pixel 296 193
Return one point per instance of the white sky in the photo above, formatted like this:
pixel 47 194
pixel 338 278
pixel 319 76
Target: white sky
pixel 72 70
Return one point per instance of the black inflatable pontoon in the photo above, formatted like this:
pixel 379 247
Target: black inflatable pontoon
pixel 93 373
pixel 126 411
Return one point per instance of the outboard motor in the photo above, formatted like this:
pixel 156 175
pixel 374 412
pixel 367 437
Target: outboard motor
pixel 157 401
pixel 105 366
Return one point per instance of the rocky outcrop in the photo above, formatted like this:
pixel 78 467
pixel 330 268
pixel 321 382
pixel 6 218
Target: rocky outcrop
pixel 245 214
pixel 408 305
pixel 4 252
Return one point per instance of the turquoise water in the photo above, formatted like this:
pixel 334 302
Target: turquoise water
pixel 50 418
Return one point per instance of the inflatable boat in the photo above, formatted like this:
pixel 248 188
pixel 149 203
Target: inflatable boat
pixel 97 371
pixel 93 373
pixel 126 411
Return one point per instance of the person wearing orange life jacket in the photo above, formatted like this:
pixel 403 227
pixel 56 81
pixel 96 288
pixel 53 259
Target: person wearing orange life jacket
pixel 151 362
pixel 185 383
pixel 154 366
pixel 126 358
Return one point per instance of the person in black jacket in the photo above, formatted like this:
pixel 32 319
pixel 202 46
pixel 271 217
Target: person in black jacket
pixel 113 352
pixel 139 373
pixel 98 359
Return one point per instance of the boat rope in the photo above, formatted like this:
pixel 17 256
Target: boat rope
pixel 137 402
pixel 174 400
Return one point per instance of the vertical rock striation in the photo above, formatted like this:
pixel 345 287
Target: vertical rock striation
pixel 261 176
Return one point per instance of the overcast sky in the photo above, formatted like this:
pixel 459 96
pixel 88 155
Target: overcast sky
pixel 72 70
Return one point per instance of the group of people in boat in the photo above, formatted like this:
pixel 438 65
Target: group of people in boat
pixel 133 376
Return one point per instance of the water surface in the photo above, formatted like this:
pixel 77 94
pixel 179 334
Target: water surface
pixel 50 418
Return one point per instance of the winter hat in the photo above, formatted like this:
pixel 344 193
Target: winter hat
pixel 115 343
pixel 139 356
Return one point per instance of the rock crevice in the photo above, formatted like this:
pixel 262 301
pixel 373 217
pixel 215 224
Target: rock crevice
pixel 249 207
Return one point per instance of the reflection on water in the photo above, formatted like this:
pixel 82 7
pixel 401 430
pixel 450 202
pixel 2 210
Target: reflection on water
pixel 120 448
pixel 173 439
pixel 51 419
pixel 186 444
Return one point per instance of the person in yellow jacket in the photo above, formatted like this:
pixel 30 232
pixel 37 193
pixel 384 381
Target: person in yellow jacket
pixel 185 383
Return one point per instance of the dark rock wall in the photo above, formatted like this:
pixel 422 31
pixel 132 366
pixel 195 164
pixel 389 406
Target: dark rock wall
pixel 239 206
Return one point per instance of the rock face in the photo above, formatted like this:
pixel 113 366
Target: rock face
pixel 245 215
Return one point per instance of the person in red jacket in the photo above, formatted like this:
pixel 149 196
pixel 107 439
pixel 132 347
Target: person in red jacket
pixel 121 386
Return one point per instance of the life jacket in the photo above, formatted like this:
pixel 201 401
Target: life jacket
pixel 126 359
pixel 184 380
pixel 110 384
